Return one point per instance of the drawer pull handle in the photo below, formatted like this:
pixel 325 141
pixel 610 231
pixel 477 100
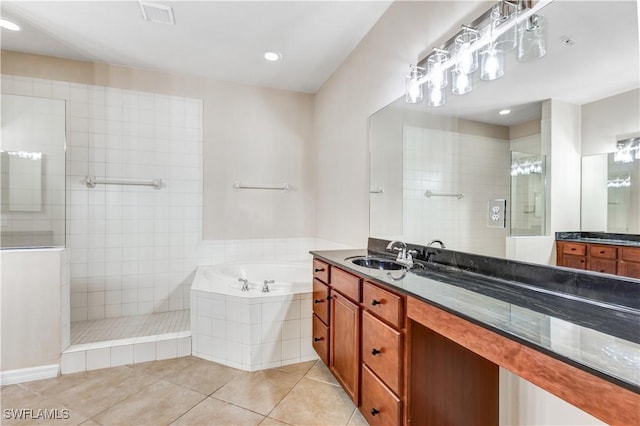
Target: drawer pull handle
pixel 573 249
pixel 318 301
pixel 581 260
pixel 375 352
pixel 602 270
pixel 601 251
pixel 375 302
pixel 318 270
pixel 329 297
pixel 374 412
pixel 317 339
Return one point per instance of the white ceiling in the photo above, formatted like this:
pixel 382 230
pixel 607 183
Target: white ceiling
pixel 223 40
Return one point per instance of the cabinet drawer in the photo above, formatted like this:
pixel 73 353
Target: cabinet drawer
pixel 321 300
pixel 630 254
pixel 382 351
pixel 383 303
pixel 574 249
pixel 577 262
pixel 629 269
pixel 321 339
pixel 606 266
pixel 604 252
pixel 321 270
pixel 345 283
pixel 379 405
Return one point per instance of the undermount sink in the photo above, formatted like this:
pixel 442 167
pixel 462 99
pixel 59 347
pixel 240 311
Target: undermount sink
pixel 378 263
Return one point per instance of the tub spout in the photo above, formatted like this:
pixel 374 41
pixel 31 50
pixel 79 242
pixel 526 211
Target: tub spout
pixel 245 284
pixel 265 286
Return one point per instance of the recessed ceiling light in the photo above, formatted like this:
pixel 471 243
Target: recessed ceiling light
pixel 272 56
pixel 505 112
pixel 9 25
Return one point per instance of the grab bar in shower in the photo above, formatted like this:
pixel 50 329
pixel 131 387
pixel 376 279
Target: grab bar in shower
pixel 430 194
pixel 237 185
pixel 92 181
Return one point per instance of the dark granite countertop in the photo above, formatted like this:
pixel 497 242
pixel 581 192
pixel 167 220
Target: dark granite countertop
pixel 605 238
pixel 569 320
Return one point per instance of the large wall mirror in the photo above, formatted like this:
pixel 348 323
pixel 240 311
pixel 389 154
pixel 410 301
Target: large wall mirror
pixel 447 172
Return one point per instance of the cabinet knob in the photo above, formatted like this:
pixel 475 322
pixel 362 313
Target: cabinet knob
pixel 581 260
pixel 318 269
pixel 601 251
pixel 375 302
pixel 329 297
pixel 374 412
pixel 375 352
pixel 318 301
pixel 317 339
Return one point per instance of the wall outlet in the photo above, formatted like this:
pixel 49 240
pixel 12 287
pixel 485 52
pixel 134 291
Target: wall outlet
pixel 496 213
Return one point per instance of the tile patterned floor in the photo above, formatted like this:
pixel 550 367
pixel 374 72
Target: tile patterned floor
pixel 127 327
pixel 186 391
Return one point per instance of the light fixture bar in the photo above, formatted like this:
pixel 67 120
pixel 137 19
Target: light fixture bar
pixel 486 38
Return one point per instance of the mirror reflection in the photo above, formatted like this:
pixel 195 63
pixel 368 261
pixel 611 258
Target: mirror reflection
pixel 440 172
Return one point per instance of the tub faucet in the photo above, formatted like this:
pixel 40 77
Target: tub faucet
pixel 404 256
pixel 265 286
pixel 245 284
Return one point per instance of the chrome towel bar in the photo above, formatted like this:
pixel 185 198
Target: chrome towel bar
pixel 430 194
pixel 237 186
pixel 92 181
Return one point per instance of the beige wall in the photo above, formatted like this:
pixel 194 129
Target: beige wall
pixel 607 118
pixel 30 308
pixel 370 78
pixel 254 135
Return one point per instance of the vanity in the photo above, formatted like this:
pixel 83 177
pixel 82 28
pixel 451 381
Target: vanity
pixel 413 347
pixel 617 254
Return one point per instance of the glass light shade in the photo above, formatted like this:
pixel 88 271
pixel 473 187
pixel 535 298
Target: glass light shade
pixel 491 64
pixel 466 54
pixel 503 26
pixel 532 38
pixel 435 96
pixel 413 89
pixel 436 71
pixel 461 83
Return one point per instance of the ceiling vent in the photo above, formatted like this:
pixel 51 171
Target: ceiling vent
pixel 155 12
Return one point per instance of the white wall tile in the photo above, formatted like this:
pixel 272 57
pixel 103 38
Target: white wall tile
pixel 121 355
pixel 143 352
pixel 73 362
pixel 98 358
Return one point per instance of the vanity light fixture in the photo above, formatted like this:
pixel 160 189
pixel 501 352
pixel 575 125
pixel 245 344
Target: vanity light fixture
pixel 627 150
pixel 272 56
pixel 482 44
pixel 413 90
pixel 8 25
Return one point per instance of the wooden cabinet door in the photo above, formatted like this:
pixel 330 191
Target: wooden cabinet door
pixel 321 300
pixel 629 269
pixel 576 262
pixel 321 339
pixel 344 342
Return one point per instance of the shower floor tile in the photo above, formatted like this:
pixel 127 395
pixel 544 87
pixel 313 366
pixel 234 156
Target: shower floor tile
pixel 128 327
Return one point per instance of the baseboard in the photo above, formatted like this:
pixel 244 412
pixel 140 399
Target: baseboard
pixel 21 375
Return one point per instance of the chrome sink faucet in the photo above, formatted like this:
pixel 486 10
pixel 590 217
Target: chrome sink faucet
pixel 404 256
pixel 432 242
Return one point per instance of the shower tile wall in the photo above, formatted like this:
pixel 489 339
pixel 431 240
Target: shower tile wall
pixel 133 248
pixel 450 162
